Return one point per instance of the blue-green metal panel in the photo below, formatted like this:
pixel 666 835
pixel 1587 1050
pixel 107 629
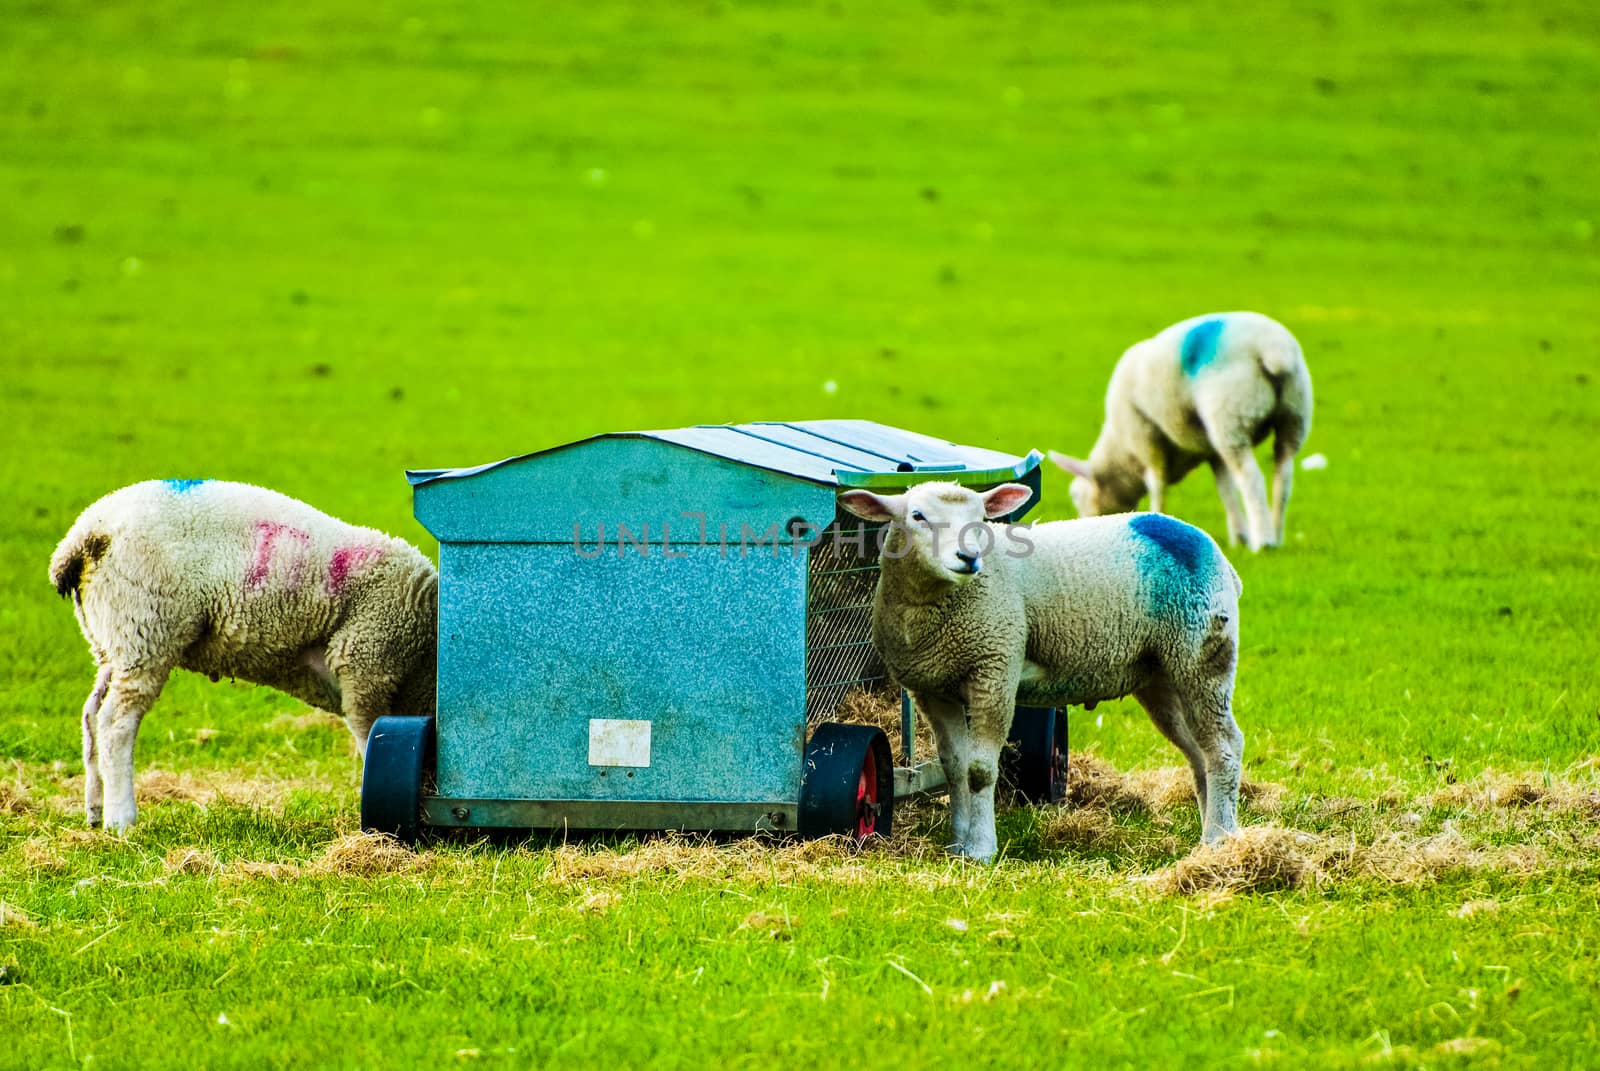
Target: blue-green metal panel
pixel 614 480
pixel 834 453
pixel 535 641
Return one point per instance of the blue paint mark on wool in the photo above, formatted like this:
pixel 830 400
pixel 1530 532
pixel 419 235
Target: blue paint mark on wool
pixel 183 487
pixel 1175 563
pixel 1183 543
pixel 1200 345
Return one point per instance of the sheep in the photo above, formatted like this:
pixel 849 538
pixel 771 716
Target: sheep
pixel 972 619
pixel 232 580
pixel 1207 389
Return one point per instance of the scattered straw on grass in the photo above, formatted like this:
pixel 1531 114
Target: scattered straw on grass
pixel 684 858
pixel 309 722
pixel 1466 1047
pixel 1093 782
pixel 366 855
pixel 259 870
pixel 597 903
pixel 1257 859
pixel 1477 907
pixel 191 861
pixel 15 918
pixel 775 927
pixel 1492 790
pixel 39 856
pixel 15 799
pixel 1267 858
pixel 882 708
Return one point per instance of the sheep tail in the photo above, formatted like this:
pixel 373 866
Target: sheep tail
pixel 1280 358
pixel 82 547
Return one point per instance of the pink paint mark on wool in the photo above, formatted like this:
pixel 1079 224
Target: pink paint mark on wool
pixel 345 563
pixel 271 538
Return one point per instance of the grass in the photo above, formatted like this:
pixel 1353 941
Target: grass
pixel 311 246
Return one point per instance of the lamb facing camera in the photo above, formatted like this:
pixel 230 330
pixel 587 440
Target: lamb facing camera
pixel 1055 614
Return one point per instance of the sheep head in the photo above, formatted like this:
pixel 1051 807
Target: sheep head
pixel 938 524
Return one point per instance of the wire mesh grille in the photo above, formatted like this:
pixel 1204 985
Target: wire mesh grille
pixel 842 577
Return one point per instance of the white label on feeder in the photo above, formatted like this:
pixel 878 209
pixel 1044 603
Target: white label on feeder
pixel 619 742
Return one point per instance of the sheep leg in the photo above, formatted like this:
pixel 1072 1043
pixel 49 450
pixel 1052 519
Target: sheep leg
pixel 949 721
pixel 1246 473
pixel 989 711
pixel 1229 493
pixel 1283 451
pixel 128 699
pixel 93 787
pixel 1161 702
pixel 365 701
pixel 1155 482
pixel 1208 710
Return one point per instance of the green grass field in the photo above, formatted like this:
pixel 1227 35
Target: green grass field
pixel 309 246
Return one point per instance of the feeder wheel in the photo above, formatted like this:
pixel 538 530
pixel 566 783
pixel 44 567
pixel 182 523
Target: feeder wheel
pixel 1035 758
pixel 848 785
pixel 400 755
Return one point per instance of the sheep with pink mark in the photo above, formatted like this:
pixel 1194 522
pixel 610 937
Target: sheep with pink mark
pixel 237 581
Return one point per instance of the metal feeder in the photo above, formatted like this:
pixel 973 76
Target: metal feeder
pixel 653 630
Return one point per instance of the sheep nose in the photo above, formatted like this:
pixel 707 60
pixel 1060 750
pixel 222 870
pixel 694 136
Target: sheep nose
pixel 969 560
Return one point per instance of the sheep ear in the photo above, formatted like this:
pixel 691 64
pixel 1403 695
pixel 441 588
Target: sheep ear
pixel 871 507
pixel 1072 465
pixel 1005 499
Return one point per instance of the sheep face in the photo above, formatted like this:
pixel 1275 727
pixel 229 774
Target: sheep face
pixel 1095 496
pixel 940 525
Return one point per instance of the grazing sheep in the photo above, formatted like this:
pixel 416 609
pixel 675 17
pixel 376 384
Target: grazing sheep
pixel 1207 389
pixel 973 618
pixel 232 580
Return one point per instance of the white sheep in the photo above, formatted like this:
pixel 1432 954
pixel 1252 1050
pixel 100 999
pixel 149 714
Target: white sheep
pixel 232 580
pixel 974 618
pixel 1208 389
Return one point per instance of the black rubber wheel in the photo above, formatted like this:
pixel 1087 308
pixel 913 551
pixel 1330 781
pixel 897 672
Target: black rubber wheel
pixel 848 784
pixel 399 763
pixel 1036 758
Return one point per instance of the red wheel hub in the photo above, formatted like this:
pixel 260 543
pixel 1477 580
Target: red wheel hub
pixel 867 797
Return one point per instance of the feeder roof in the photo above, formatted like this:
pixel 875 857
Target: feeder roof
pixel 839 453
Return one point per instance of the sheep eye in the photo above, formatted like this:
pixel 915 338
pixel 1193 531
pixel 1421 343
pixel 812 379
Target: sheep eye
pixel 916 515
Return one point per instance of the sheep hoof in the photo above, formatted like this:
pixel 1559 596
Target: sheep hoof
pixel 94 816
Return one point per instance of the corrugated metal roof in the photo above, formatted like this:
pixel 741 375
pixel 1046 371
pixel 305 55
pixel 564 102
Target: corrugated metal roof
pixel 843 453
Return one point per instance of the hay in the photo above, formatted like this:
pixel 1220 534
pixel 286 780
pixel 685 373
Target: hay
pixel 252 870
pixel 1092 782
pixel 39 857
pixel 1476 907
pixel 1466 1047
pixel 16 918
pixel 1256 859
pixel 367 855
pixel 357 855
pixel 191 861
pixel 1491 791
pixel 597 903
pixel 1089 828
pixel 1268 858
pixel 882 709
pixel 312 721
pixel 15 798
pixel 774 927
